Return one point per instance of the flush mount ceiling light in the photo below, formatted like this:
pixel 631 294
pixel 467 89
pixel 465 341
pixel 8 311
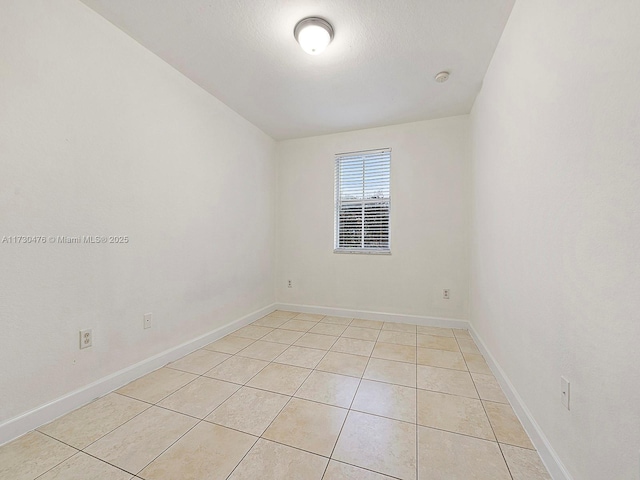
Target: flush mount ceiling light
pixel 313 34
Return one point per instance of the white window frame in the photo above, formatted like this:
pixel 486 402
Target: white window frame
pixel 338 203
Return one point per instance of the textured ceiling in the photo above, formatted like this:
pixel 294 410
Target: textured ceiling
pixel 378 70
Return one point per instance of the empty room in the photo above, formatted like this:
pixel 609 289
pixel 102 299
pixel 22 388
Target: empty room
pixel 319 240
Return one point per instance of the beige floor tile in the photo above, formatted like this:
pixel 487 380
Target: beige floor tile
pixel 329 388
pixel 207 451
pixel 282 314
pixel 441 332
pixel 260 350
pixel 454 414
pixel 353 346
pixel 441 358
pixel 506 425
pixel 137 442
pixel 154 386
pixel 237 369
pixel 379 444
pixel 328 329
pixel 314 317
pixel 399 338
pixel 489 388
pixel 342 471
pixel 271 322
pixel 253 332
pixel 393 401
pixel 524 464
pixel 275 377
pixel 400 327
pixel 200 397
pixel 199 361
pixel 337 320
pixel 446 380
pixel 87 424
pixel 307 425
pixel 31 455
pixel 459 333
pixel 288 337
pixel 343 363
pixel 301 356
pixel 450 456
pixel 298 325
pixel 388 371
pixel 249 410
pixel 390 351
pixel 84 467
pixel 229 344
pixel 314 340
pixel 468 346
pixel 438 343
pixel 361 333
pixel 360 322
pixel 272 461
pixel 476 363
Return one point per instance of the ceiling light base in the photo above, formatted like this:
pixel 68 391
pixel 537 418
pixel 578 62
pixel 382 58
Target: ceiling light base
pixel 313 34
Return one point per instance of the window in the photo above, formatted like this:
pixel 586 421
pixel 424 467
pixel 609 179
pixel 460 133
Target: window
pixel 363 202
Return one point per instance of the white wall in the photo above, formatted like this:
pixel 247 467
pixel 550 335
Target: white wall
pixel 100 137
pixel 555 249
pixel 429 223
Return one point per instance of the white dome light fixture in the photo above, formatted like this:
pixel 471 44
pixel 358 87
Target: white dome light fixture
pixel 313 34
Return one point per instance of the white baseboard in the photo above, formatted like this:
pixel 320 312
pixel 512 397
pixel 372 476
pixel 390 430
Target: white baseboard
pixel 549 457
pixel 24 423
pixel 380 316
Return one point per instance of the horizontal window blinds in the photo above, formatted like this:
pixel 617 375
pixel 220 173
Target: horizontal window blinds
pixel 363 201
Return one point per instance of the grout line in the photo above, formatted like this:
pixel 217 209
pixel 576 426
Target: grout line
pixel 349 410
pixel 270 391
pixel 171 445
pixel 181 413
pixel 243 457
pixel 279 411
pixel 109 463
pixel 325 404
pixel 317 455
pixel 201 420
pixel 61 462
pixel 363 468
pixel 372 380
pixel 485 412
pixel 149 406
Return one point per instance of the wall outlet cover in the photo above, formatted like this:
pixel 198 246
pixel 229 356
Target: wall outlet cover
pixel 147 321
pixel 565 392
pixel 86 338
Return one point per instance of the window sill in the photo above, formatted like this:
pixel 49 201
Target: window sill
pixel 361 251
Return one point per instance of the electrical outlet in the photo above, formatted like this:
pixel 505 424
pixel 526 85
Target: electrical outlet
pixel 86 338
pixel 445 294
pixel 148 317
pixel 565 392
pixel 289 284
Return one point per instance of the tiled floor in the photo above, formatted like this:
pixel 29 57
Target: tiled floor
pixel 296 396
